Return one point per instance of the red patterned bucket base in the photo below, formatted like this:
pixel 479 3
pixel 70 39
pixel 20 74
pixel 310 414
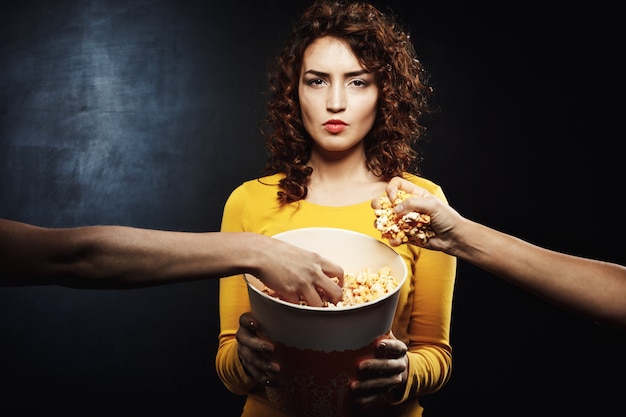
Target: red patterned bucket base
pixel 315 383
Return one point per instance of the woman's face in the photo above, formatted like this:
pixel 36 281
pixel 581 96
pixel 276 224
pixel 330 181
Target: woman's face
pixel 338 96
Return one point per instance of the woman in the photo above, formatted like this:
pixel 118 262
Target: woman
pixel 346 97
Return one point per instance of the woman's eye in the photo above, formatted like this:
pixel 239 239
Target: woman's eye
pixel 358 83
pixel 315 82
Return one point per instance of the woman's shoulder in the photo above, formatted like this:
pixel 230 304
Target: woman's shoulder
pixel 259 186
pixel 430 186
pixel 421 181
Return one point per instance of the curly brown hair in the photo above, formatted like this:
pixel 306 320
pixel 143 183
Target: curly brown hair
pixel 385 49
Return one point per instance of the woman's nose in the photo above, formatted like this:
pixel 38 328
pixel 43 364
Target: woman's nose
pixel 336 100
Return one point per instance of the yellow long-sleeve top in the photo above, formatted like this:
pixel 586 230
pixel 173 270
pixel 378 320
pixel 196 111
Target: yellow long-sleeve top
pixel 423 314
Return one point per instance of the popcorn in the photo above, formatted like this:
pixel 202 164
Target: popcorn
pixel 413 226
pixel 359 288
pixel 366 286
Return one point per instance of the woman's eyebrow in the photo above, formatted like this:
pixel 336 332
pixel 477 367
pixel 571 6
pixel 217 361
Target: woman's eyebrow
pixel 347 74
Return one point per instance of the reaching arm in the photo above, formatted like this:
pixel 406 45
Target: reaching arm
pixel 592 288
pixel 127 257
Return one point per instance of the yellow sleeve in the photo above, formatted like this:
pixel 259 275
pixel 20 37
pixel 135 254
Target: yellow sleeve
pixel 233 301
pixel 428 329
pixel 430 352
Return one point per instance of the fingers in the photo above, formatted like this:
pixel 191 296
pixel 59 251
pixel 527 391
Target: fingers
pixel 329 293
pixel 375 203
pixel 326 287
pixel 311 297
pixel 390 348
pixel 397 183
pixel 332 283
pixel 385 372
pixel 393 186
pixel 391 189
pixel 333 270
pixel 304 293
pixel 423 202
pixel 254 352
pixel 318 293
pixel 411 204
pixel 376 377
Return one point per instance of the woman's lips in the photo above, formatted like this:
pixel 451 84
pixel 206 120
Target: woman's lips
pixel 335 126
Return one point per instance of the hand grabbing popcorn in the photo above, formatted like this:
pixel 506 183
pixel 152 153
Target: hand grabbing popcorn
pixel 358 288
pixel 413 226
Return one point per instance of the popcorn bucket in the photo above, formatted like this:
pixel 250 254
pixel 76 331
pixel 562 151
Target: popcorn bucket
pixel 319 348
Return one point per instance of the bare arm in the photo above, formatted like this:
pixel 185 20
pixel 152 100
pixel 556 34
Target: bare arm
pixel 585 286
pixel 126 257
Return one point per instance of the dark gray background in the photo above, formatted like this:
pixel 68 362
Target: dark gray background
pixel 145 113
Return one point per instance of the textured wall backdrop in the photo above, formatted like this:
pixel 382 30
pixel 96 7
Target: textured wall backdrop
pixel 145 113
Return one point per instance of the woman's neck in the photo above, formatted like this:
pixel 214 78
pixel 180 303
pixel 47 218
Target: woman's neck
pixel 341 182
